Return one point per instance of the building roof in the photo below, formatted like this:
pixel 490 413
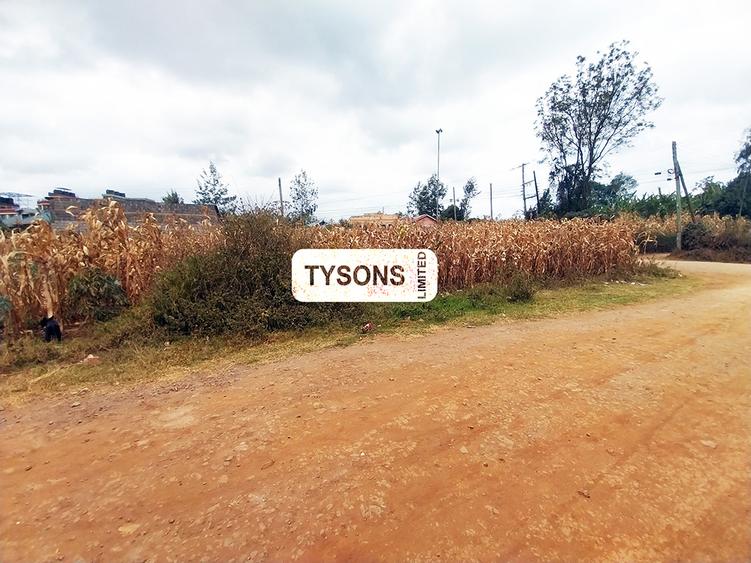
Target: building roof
pixel 425 218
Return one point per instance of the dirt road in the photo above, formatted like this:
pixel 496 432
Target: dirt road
pixel 618 435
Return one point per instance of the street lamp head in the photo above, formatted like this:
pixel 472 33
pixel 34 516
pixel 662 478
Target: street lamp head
pixel 439 131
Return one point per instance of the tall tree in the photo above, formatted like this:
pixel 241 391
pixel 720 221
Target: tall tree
pixel 743 158
pixel 303 199
pixel 581 120
pixel 172 197
pixel 212 191
pixel 471 191
pixel 426 199
pixel 733 198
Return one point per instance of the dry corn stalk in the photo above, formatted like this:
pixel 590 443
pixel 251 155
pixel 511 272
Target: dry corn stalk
pixel 485 251
pixel 37 264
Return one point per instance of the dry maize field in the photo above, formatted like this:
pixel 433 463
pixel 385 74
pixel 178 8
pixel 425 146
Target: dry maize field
pixel 646 229
pixel 484 251
pixel 37 264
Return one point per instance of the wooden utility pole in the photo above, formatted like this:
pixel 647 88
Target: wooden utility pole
pixel 453 188
pixel 491 201
pixel 688 197
pixel 537 192
pixel 676 173
pixel 524 191
pixel 281 201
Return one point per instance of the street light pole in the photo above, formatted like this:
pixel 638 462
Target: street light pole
pixel 438 169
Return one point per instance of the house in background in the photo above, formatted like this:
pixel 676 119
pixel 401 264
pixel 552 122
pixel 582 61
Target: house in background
pixel 57 202
pixel 388 220
pixel 374 219
pixel 15 212
pixel 425 220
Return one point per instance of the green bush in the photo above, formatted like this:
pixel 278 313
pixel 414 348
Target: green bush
pixel 94 295
pixel 695 235
pixel 521 287
pixel 662 243
pixel 244 287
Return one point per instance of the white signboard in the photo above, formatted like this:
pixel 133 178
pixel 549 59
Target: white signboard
pixel 358 275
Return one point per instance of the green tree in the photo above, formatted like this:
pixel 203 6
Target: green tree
pixel 448 213
pixel 461 212
pixel 303 199
pixel 582 120
pixel 212 191
pixel 616 194
pixel 425 199
pixel 743 158
pixel 471 191
pixel 653 204
pixel 172 197
pixel 733 198
pixel 545 208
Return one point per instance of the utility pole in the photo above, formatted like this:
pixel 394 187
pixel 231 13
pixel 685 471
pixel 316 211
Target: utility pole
pixel 524 191
pixel 281 201
pixel 438 171
pixel 491 201
pixel 524 188
pixel 676 173
pixel 688 197
pixel 537 192
pixel 453 188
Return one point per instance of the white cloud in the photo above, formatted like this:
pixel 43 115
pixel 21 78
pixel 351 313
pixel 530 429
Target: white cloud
pixel 139 96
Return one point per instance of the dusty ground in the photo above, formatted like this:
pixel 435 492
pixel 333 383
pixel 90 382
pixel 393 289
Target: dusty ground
pixel 613 435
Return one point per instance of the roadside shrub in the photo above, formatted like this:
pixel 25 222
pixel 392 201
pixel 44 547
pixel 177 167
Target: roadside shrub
pixel 243 287
pixel 94 295
pixel 733 234
pixel 520 288
pixel 695 235
pixel 653 269
pixel 661 243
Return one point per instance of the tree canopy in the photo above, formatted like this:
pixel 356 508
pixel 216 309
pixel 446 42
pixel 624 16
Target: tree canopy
pixel 426 198
pixel 172 197
pixel 471 191
pixel 212 191
pixel 303 199
pixel 582 120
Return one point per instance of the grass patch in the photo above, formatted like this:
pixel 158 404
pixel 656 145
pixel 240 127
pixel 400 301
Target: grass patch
pixel 31 366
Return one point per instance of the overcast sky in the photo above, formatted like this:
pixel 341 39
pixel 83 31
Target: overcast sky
pixel 140 95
